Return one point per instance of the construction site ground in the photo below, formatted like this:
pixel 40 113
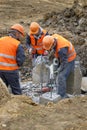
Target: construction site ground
pixel 57 16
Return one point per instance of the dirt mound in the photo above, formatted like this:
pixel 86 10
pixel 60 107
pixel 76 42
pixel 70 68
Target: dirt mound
pixel 21 113
pixel 72 19
pixel 72 24
pixel 82 53
pixel 4 93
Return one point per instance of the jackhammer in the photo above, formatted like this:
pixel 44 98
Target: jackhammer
pixel 53 73
pixel 47 85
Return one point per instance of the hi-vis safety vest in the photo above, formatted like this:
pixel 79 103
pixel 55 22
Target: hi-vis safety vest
pixel 37 43
pixel 61 43
pixel 8 48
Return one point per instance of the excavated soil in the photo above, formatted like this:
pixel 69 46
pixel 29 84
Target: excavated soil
pixel 57 16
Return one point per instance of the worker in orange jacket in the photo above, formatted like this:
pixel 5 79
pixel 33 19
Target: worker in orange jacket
pixel 66 54
pixel 12 57
pixel 34 40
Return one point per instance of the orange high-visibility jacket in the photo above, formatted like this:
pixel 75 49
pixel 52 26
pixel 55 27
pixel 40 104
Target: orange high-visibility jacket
pixel 62 42
pixel 37 44
pixel 8 49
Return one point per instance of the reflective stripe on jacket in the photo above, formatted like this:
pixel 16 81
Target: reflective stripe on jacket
pixel 8 49
pixel 61 43
pixel 37 43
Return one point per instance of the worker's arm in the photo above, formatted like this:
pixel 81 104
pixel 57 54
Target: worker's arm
pixel 28 42
pixel 63 58
pixel 20 57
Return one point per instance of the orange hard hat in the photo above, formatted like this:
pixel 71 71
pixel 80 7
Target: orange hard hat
pixel 19 28
pixel 48 42
pixel 34 28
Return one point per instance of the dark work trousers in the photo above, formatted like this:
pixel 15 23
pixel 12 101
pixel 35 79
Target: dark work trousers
pixel 62 77
pixel 11 78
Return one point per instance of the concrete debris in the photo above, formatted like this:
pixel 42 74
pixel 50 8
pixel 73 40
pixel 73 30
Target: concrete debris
pixel 84 84
pixel 47 97
pixel 35 91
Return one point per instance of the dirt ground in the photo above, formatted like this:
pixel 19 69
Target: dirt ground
pixel 19 112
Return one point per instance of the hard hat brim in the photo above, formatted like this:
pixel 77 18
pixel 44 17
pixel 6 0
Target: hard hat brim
pixel 47 47
pixel 33 32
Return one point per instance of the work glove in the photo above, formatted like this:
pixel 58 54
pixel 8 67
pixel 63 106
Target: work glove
pixel 30 51
pixel 45 53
